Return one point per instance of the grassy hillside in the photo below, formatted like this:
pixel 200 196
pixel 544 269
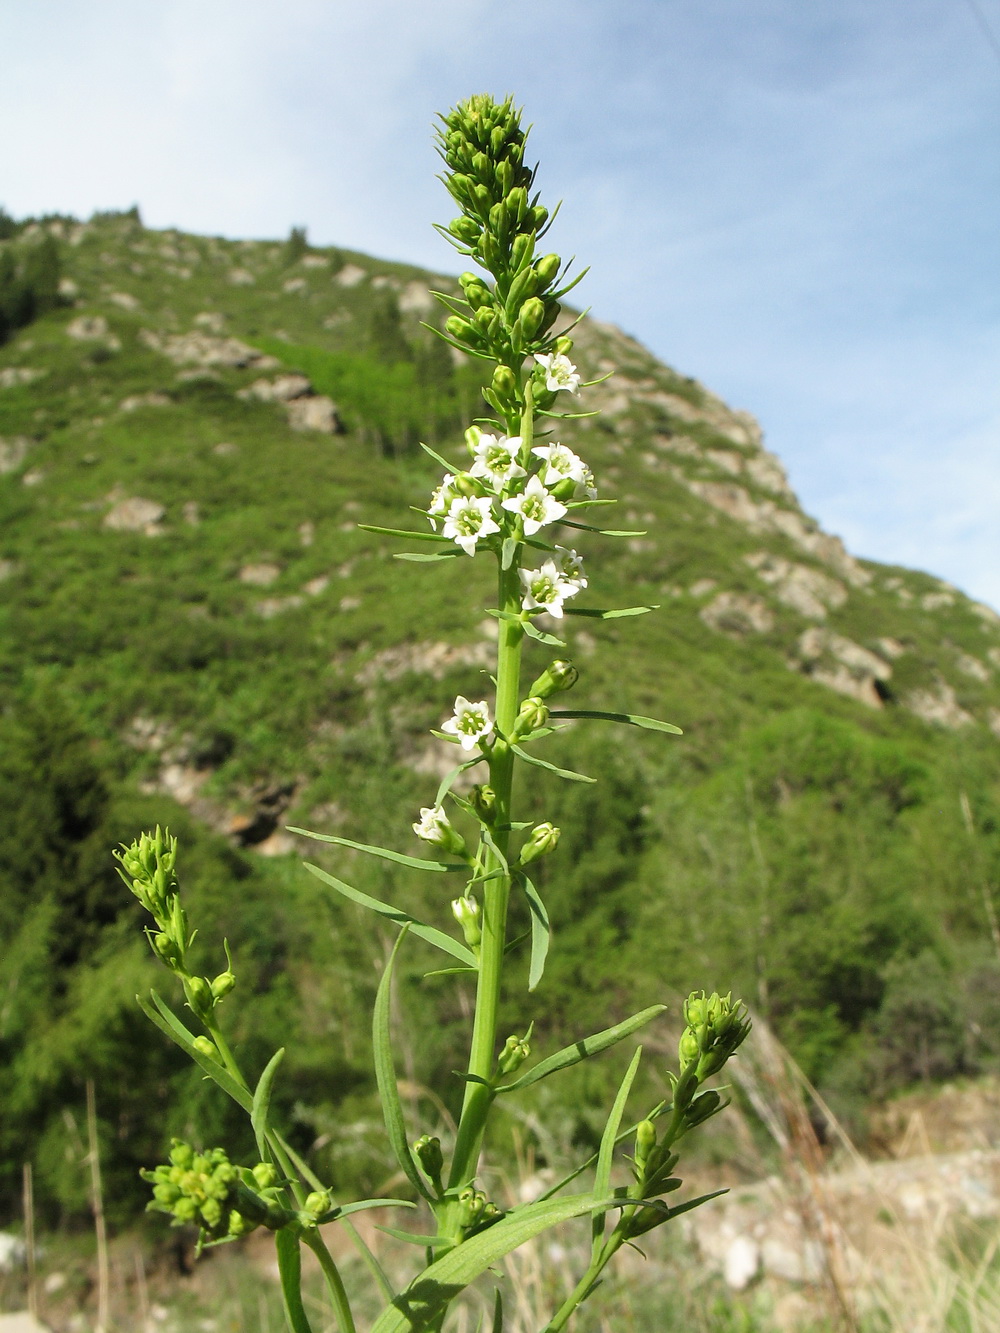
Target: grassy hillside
pixel 195 632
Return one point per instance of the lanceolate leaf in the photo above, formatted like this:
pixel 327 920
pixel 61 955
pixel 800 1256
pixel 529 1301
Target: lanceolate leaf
pixel 412 533
pixel 385 1077
pixel 426 559
pixel 540 932
pixel 603 532
pixel 602 1176
pixel 262 1100
pixel 416 1309
pixel 415 1237
pixel 580 1050
pixel 633 719
pixel 566 773
pixel 169 1023
pixel 401 918
pixel 448 467
pixel 615 614
pixel 290 1272
pixel 414 862
pixel 533 632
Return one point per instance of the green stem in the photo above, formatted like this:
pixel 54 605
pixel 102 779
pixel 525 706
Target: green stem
pixel 334 1282
pixel 496 895
pixel 581 1291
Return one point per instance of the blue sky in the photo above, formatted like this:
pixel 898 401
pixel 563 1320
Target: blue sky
pixel 797 202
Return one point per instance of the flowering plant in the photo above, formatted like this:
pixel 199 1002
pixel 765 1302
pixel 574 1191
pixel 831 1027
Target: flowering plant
pixel 520 489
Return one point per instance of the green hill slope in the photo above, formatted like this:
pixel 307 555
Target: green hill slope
pixel 195 632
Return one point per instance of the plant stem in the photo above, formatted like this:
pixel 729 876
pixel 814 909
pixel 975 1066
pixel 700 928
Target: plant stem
pixel 334 1281
pixel 602 1257
pixel 496 894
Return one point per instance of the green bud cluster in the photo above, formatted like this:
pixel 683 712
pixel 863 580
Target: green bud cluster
pixel 206 1190
pixel 149 867
pixel 716 1028
pixel 515 1051
pixel 475 1211
pixel 482 144
pixel 466 913
pixel 653 1163
pixel 532 716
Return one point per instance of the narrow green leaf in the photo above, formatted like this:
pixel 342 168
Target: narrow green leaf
pixel 169 1023
pixel 416 1309
pixel 426 559
pixel 429 933
pixel 262 1100
pixel 634 719
pixel 449 778
pixel 448 467
pixel 533 632
pixel 605 1155
pixel 615 614
pixel 451 972
pixel 414 862
pixel 566 773
pixel 507 552
pixel 290 1272
pixel 385 1077
pixel 580 1050
pixel 491 844
pixel 672 1212
pixel 540 933
pixel 415 534
pixel 498 1312
pixel 602 532
pixel 415 1237
pixel 363 1204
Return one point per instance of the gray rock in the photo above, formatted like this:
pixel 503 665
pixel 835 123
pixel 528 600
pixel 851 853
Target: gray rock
pixel 135 515
pixel 13 453
pixel 317 413
pixel 737 614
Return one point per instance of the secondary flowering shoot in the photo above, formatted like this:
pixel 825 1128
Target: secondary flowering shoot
pixel 560 372
pixel 470 723
pixel 535 507
pixel 469 520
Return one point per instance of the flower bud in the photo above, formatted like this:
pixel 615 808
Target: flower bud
pixel 266 1175
pixel 547 268
pixel 539 216
pixel 482 200
pixel 483 800
pixel 517 201
pixel 645 1142
pixel 199 994
pixel 702 1107
pixel 223 984
pixel 239 1225
pixel 532 716
pixel 435 827
pixel 430 1157
pixel 542 839
pixel 689 1047
pixel 515 1051
pixel 522 250
pixel 465 229
pixel 482 167
pixel 317 1203
pixel 531 316
pixel 206 1046
pixel 471 1203
pixel 165 948
pixel 466 484
pixel 557 676
pixel 504 382
pixel 563 346
pixel 462 331
pixel 466 913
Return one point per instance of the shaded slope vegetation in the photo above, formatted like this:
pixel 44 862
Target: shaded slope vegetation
pixel 187 446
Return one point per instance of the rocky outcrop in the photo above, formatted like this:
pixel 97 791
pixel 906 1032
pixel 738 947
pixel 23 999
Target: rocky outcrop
pixel 800 587
pixel 831 659
pixel 206 349
pixel 135 515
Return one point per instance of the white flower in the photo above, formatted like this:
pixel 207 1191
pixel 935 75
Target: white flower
pixel 561 463
pixel 470 723
pixel 546 588
pixel 433 825
pixel 442 498
pixel 469 519
pixel 560 372
pixel 496 459
pixel 571 566
pixel 535 506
